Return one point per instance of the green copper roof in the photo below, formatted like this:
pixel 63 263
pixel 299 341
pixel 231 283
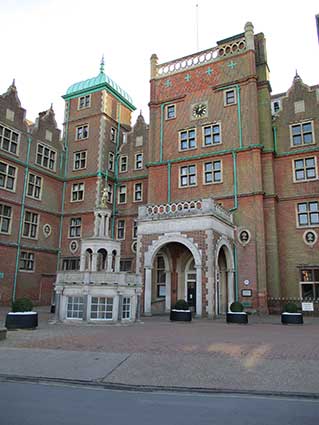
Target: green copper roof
pixel 102 81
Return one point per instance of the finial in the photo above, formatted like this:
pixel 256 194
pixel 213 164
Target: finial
pixel 13 82
pixel 297 77
pixel 51 107
pixel 102 65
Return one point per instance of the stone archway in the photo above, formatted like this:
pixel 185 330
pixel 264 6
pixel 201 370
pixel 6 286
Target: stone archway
pixel 224 276
pixel 149 257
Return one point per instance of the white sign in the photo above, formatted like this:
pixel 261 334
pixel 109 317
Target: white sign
pixel 246 282
pixel 307 306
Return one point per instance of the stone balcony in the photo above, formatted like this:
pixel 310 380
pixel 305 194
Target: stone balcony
pixel 185 209
pixel 100 278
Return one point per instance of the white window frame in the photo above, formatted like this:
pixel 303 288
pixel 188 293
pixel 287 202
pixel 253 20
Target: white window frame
pixel 122 193
pixel 302 144
pixel 304 169
pixel 27 259
pixel 77 188
pixel 111 161
pixel 82 132
pixel 102 311
pixel 138 191
pixel 10 141
pixel 225 97
pixel 5 217
pixel 126 308
pixel 78 313
pixel 213 172
pixel 167 108
pixel 122 229
pixel 45 158
pixel 123 161
pixel 138 164
pixel 134 230
pixel 86 104
pixel 6 176
pixel 74 226
pixel 308 212
pixel 33 223
pixel 212 134
pixel 187 176
pixel 188 148
pixel 79 160
pixel 36 188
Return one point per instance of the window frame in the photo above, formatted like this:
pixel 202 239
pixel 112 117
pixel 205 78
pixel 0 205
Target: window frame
pixel 99 310
pixel 137 162
pixel 134 230
pixel 113 134
pixel 187 175
pixel 226 104
pixel 187 130
pixel 167 113
pixel 79 310
pixel 11 142
pixel 109 192
pixel 111 162
pixel 34 187
pixel 8 218
pixel 44 146
pixel 6 175
pixel 308 213
pixel 75 226
pixel 77 130
pixel 213 172
pixel 80 160
pixel 122 193
pixel 302 144
pixel 122 229
pixel 304 169
pixel 126 312
pixel 123 159
pixel 85 105
pixel 29 259
pixel 138 191
pixel 79 190
pixel 212 134
pixel 32 224
pixel 313 282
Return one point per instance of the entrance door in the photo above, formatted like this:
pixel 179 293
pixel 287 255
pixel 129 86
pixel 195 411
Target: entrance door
pixel 191 291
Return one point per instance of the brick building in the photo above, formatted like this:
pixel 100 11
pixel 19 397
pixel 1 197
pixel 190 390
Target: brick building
pixel 215 200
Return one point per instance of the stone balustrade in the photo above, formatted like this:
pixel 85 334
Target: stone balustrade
pixel 183 209
pixel 97 278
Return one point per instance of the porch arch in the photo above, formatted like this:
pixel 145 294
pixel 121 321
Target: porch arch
pixel 225 245
pixel 149 257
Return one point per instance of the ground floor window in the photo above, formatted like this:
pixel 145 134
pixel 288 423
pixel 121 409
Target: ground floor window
pixel 101 308
pixel 160 276
pixel 309 283
pixel 126 311
pixel 75 307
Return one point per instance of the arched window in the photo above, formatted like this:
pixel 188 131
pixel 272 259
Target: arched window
pixel 101 260
pixel 88 259
pixel 113 260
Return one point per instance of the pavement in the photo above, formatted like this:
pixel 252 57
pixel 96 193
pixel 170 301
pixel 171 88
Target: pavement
pixel 263 357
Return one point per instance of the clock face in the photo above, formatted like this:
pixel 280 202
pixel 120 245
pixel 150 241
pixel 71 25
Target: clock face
pixel 199 110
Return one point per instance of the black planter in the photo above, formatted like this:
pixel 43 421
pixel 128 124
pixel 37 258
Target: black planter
pixel 240 318
pixel 292 318
pixel 181 315
pixel 22 320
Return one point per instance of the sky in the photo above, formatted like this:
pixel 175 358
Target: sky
pixel 47 45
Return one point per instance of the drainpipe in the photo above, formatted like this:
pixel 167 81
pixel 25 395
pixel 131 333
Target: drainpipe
pixel 240 130
pixel 169 170
pixel 116 170
pixel 66 158
pixel 26 174
pixel 234 156
pixel 274 129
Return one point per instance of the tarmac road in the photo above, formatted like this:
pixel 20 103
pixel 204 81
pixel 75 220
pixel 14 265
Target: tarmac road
pixel 42 404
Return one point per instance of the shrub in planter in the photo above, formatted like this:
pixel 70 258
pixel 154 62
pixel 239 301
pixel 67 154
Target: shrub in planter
pixel 181 312
pixel 291 316
pixel 22 316
pixel 236 314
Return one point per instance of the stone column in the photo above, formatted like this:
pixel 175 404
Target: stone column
pixel 230 285
pixel 154 61
pixel 82 262
pixel 109 262
pixel 249 36
pixel 94 262
pixel 58 292
pixel 138 307
pixel 199 303
pixel 148 291
pixel 117 263
pixel 168 300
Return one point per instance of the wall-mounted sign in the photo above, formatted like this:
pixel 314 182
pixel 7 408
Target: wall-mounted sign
pixel 246 282
pixel 246 292
pixel 307 306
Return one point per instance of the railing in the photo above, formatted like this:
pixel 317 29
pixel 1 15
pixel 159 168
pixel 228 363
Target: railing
pixel 97 278
pixel 184 208
pixel 277 305
pixel 229 49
